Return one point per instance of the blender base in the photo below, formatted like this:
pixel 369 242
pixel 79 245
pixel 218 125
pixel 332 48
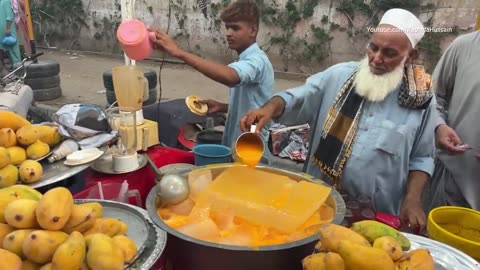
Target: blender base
pixel 124 163
pixel 105 164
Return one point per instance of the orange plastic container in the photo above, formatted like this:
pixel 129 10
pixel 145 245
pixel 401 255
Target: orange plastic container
pixel 135 39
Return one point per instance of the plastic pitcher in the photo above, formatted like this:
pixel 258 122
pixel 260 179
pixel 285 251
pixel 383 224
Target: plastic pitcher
pixel 115 192
pixel 135 39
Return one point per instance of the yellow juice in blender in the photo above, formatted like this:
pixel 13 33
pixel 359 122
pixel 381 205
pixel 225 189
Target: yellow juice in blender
pixel 129 85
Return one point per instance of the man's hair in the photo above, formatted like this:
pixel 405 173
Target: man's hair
pixel 242 11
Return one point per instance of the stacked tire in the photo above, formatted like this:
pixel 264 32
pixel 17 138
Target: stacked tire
pixel 43 77
pixel 151 76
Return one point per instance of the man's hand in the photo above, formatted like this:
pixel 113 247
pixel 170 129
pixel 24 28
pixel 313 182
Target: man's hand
pixel 7 32
pixel 260 117
pixel 412 215
pixel 272 109
pixel 448 140
pixel 165 43
pixel 215 106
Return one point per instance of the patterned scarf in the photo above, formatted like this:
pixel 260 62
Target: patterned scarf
pixel 341 125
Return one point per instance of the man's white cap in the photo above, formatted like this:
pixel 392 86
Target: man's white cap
pixel 408 23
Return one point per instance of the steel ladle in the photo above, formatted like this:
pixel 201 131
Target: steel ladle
pixel 172 188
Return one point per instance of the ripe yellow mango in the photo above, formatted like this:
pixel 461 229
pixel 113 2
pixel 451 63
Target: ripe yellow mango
pixel 323 261
pixel 29 134
pixel 96 207
pixel 54 209
pixel 416 259
pixel 103 254
pixel 12 120
pixel 108 226
pixel 9 261
pixel 4 230
pixel 28 265
pixel 81 219
pixel 15 192
pixel 70 254
pixel 13 241
pixel 128 247
pixel 39 246
pixel 360 257
pixel 47 266
pixel 20 214
pixel 389 245
pixel 17 155
pixel 37 150
pixel 332 234
pixel 7 137
pixel 30 171
pixel 4 157
pixel 8 176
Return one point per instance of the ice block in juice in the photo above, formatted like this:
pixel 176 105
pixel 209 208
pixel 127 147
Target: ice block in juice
pixel 265 198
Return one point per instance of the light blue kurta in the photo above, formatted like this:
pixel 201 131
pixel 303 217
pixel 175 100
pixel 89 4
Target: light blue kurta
pixel 391 140
pixel 255 88
pixel 6 14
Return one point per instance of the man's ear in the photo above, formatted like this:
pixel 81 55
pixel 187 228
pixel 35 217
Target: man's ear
pixel 254 30
pixel 413 54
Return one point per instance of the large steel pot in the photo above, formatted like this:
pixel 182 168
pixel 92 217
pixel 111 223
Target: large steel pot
pixel 187 253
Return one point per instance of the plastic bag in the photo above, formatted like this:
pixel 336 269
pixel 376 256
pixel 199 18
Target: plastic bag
pixel 85 123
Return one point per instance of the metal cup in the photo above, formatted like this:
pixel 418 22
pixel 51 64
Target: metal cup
pixel 247 140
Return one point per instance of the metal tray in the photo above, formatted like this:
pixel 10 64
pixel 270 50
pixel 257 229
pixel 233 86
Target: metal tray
pixel 55 172
pixel 446 257
pixel 150 240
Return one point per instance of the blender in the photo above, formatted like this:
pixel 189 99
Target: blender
pixel 129 84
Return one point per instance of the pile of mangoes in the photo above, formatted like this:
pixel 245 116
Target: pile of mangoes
pixel 21 144
pixel 51 232
pixel 367 245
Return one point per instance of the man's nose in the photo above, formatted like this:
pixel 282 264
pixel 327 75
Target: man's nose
pixel 377 58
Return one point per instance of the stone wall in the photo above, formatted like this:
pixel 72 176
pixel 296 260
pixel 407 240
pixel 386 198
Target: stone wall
pixel 199 33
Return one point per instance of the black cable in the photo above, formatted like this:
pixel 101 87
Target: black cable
pixel 164 54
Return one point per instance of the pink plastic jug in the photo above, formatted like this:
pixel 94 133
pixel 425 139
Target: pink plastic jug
pixel 135 39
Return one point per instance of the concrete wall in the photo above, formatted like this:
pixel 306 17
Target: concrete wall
pixel 204 40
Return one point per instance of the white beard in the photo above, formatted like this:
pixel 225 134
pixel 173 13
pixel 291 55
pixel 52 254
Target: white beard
pixel 377 87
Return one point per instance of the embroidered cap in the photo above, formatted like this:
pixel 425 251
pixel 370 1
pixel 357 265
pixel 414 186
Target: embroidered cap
pixel 406 22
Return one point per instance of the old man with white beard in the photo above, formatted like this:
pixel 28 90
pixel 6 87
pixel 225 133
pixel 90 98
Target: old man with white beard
pixel 372 121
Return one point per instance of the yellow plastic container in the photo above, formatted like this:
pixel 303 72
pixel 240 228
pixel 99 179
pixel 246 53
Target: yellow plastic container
pixel 450 225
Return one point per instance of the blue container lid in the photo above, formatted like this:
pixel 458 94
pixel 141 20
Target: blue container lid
pixel 212 150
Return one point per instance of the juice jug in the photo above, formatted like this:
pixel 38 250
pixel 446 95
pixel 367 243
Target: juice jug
pixel 135 39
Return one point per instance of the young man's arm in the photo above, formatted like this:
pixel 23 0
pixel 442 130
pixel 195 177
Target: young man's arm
pixel 215 71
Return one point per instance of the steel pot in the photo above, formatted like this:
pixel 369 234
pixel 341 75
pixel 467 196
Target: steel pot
pixel 187 253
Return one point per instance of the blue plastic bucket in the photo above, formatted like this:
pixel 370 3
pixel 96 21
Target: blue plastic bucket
pixel 206 154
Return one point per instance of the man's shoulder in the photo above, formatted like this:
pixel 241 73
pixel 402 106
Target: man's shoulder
pixel 466 39
pixel 257 54
pixel 259 57
pixel 338 70
pixel 347 67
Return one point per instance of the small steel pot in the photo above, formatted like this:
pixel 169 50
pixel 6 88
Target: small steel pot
pixel 187 253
